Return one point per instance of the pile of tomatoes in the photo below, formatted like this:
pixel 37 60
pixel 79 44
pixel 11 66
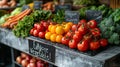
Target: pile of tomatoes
pixel 82 36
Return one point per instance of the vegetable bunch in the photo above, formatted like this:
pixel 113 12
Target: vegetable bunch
pixel 110 27
pixel 26 24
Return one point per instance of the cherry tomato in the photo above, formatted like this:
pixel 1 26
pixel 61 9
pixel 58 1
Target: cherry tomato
pixel 94 45
pixel 46 24
pixel 59 30
pixel 92 24
pixel 59 38
pixel 83 29
pixel 35 32
pixel 77 38
pixel 41 34
pixel 31 31
pixel 103 42
pixel 35 25
pixel 95 31
pixel 40 27
pixel 83 46
pixel 65 40
pixel 53 37
pixel 74 27
pixel 47 35
pixel 72 44
pixel 69 34
pixel 81 22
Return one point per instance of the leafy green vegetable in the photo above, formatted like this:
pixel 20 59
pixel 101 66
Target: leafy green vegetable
pixel 26 24
pixel 59 17
pixel 110 27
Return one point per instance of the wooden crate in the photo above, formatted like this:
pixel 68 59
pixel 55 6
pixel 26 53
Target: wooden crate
pixel 115 4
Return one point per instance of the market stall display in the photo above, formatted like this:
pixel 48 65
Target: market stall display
pixel 45 24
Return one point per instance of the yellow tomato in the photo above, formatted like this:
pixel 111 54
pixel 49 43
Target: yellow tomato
pixel 53 37
pixel 67 27
pixel 63 23
pixel 47 35
pixel 59 38
pixel 59 30
pixel 71 24
pixel 53 28
pixel 49 27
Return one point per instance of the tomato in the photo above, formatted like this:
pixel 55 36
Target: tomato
pixel 77 38
pixel 95 31
pixel 47 35
pixel 31 31
pixel 46 24
pixel 81 22
pixel 92 24
pixel 83 29
pixel 41 34
pixel 53 37
pixel 70 23
pixel 67 27
pixel 83 46
pixel 35 32
pixel 74 27
pixel 78 33
pixel 40 27
pixel 94 45
pixel 69 34
pixel 35 25
pixel 72 44
pixel 49 27
pixel 87 37
pixel 103 42
pixel 65 40
pixel 59 30
pixel 53 29
pixel 59 38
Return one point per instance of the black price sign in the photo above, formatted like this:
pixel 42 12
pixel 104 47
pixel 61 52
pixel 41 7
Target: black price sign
pixel 38 5
pixel 72 16
pixel 25 7
pixel 41 50
pixel 64 7
pixel 94 15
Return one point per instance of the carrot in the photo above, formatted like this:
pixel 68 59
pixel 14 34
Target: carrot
pixel 15 19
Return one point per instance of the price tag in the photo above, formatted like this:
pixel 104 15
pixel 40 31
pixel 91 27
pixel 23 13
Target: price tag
pixel 41 50
pixel 38 5
pixel 25 7
pixel 64 7
pixel 94 15
pixel 72 16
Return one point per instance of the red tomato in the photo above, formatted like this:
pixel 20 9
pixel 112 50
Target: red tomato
pixel 31 31
pixel 77 38
pixel 95 31
pixel 78 33
pixel 72 44
pixel 69 34
pixel 94 45
pixel 65 40
pixel 83 29
pixel 92 24
pixel 35 32
pixel 41 34
pixel 42 22
pixel 88 37
pixel 40 27
pixel 74 27
pixel 45 24
pixel 83 46
pixel 103 42
pixel 81 22
pixel 35 25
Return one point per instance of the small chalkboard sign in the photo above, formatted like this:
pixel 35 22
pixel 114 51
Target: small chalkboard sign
pixel 38 5
pixel 64 7
pixel 72 16
pixel 94 15
pixel 41 50
pixel 25 7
